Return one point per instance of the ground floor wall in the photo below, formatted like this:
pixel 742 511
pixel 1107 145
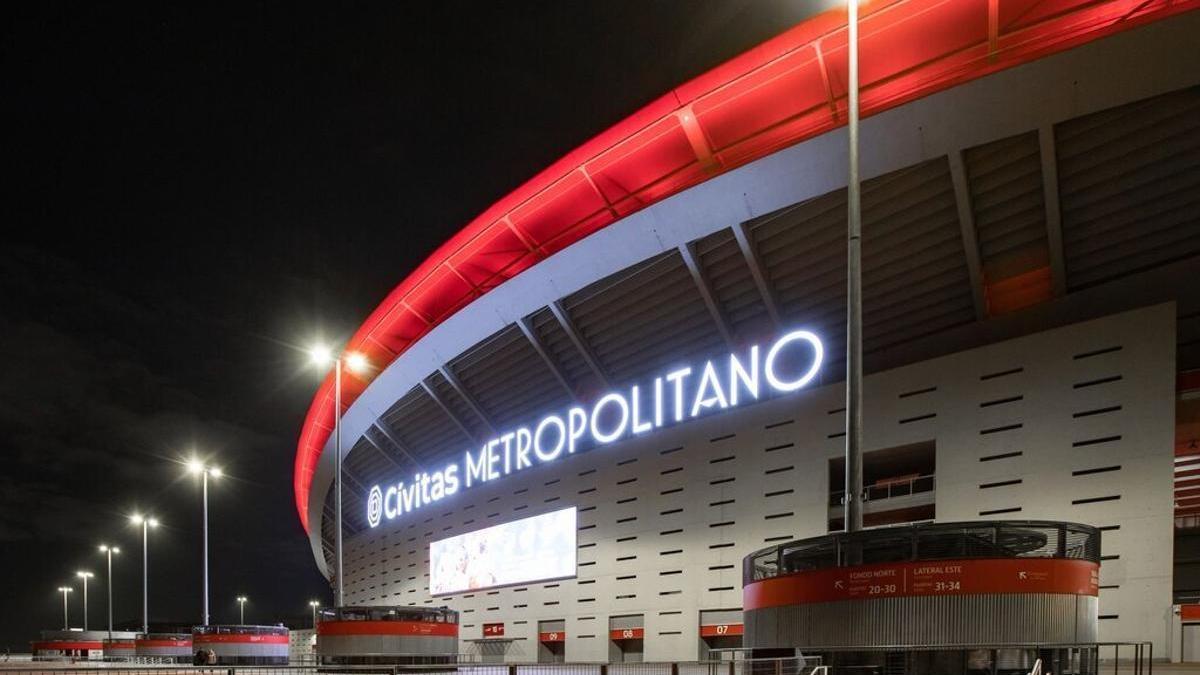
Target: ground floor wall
pixel 1073 424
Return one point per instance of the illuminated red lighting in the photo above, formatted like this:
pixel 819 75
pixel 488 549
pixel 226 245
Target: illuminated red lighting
pixel 783 91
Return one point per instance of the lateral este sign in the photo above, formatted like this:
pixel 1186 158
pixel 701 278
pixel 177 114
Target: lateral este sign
pixel 673 397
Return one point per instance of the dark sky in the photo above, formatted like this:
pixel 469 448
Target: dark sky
pixel 195 192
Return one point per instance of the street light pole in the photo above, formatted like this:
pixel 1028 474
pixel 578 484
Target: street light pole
pixel 854 420
pixel 337 469
pixel 146 523
pixel 357 363
pixel 314 605
pixel 241 610
pixel 108 551
pixel 85 576
pixel 204 489
pixel 66 621
pixel 198 467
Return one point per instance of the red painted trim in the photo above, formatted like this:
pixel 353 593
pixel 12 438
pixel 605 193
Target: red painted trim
pixel 777 94
pixel 240 639
pixel 493 630
pixel 387 628
pixel 722 630
pixel 1189 612
pixel 163 643
pixel 63 645
pixel 941 577
pixel 627 634
pixel 553 636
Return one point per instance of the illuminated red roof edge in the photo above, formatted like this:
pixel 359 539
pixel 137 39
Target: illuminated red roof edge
pixel 779 93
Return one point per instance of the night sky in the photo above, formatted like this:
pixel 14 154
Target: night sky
pixel 197 193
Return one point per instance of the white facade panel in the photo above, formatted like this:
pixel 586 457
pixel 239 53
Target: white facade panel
pixel 1082 416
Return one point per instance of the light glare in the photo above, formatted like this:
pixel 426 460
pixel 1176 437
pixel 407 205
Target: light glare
pixel 356 362
pixel 320 355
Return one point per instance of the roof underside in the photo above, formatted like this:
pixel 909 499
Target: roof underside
pixel 1129 200
pixel 947 242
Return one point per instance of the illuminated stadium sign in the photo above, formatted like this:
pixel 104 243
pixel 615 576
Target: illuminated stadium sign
pixel 673 397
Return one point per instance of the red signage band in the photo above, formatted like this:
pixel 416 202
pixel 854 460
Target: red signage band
pixel 1189 612
pixel 163 643
pixel 940 577
pixel 493 629
pixel 552 636
pixel 387 628
pixel 61 645
pixel 242 639
pixel 722 629
pixel 627 633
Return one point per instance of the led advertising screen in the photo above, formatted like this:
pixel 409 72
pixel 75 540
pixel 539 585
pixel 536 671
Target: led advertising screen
pixel 530 549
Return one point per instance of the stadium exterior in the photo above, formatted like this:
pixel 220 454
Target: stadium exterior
pixel 1032 324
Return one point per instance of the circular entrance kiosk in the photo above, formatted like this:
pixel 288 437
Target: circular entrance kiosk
pixel 387 635
pixel 946 597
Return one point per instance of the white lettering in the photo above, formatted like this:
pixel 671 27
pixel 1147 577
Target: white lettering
pixel 769 365
pixel 708 381
pixel 676 377
pixel 738 375
pixel 577 424
pixel 510 451
pixel 476 468
pixel 619 429
pixel 524 445
pixel 551 455
pixel 389 496
pixel 638 426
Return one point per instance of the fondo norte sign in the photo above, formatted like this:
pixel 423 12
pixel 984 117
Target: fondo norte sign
pixel 673 397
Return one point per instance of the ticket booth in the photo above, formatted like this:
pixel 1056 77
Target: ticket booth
pixel 626 638
pixel 552 641
pixel 720 633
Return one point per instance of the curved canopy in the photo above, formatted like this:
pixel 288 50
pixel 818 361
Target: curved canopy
pixel 780 93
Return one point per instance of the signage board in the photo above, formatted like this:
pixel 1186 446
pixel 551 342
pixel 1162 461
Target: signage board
pixel 531 549
pixel 788 364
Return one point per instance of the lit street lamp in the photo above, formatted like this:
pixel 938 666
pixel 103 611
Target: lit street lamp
pixel 311 603
pixel 241 610
pixel 196 467
pixel 85 576
pixel 357 363
pixel 146 523
pixel 64 590
pixel 108 551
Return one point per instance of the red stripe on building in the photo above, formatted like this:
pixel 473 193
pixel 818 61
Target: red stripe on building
pixel 240 639
pixel 942 577
pixel 163 643
pixel 1189 612
pixel 387 628
pixel 553 636
pixel 63 645
pixel 722 629
pixel 627 633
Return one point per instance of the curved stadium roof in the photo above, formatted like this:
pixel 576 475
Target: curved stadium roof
pixel 784 91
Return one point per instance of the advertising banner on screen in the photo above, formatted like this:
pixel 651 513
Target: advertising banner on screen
pixel 526 550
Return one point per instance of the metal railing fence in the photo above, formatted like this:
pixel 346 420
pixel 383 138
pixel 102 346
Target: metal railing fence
pixel 1100 658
